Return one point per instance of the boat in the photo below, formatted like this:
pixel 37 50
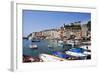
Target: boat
pixel 25 38
pixel 61 42
pixel 87 47
pixel 79 53
pixel 75 54
pixel 35 40
pixel 33 46
pixel 70 42
pixel 49 46
pixel 50 58
pixel 60 54
pixel 87 53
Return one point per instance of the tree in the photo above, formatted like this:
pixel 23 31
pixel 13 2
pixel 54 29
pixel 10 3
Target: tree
pixel 89 25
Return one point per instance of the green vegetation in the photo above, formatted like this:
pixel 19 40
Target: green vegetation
pixel 72 26
pixel 89 25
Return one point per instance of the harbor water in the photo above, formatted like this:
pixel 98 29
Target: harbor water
pixel 44 46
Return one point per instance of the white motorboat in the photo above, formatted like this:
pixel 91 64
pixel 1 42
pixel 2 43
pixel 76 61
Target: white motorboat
pixel 86 47
pixel 87 53
pixel 33 46
pixel 60 41
pixel 75 54
pixel 50 58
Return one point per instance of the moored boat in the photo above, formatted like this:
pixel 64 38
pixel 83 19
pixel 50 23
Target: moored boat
pixel 78 53
pixel 35 40
pixel 33 46
pixel 50 58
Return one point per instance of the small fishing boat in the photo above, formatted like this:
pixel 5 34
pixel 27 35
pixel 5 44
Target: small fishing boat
pixel 25 38
pixel 33 46
pixel 35 40
pixel 49 46
pixel 61 42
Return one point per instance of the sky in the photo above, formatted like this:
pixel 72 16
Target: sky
pixel 34 20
